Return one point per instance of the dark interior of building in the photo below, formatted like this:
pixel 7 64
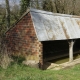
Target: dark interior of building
pixel 55 50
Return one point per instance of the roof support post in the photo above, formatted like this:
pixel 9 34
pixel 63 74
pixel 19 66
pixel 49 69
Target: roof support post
pixel 71 44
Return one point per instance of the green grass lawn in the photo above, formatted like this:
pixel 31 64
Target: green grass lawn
pixel 22 72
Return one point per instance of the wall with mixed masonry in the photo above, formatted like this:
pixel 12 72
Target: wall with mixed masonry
pixel 22 40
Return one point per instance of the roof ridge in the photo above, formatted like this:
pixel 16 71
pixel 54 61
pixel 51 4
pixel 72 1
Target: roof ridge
pixel 54 14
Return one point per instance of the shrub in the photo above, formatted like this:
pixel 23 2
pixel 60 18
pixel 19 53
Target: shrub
pixel 5 58
pixel 5 61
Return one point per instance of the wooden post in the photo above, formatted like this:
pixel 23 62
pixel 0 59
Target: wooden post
pixel 71 44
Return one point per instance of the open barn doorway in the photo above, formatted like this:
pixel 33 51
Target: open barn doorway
pixel 55 50
pixel 58 51
pixel 76 49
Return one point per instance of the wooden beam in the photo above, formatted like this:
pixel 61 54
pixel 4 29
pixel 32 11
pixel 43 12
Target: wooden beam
pixel 71 44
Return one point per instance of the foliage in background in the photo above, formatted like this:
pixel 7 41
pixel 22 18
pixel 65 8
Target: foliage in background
pixel 14 16
pixel 5 58
pixel 24 4
pixel 62 6
pixel 49 5
pixel 36 4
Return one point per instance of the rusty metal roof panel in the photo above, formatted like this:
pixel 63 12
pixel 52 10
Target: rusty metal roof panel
pixel 54 26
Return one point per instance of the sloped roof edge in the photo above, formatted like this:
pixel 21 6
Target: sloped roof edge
pixel 27 11
pixel 54 14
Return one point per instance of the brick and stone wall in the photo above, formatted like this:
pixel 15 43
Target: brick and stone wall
pixel 22 40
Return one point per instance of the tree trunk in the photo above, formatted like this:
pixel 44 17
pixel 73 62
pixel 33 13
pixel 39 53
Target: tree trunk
pixel 7 14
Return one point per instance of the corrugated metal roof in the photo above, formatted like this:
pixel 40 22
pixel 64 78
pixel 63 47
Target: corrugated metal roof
pixel 54 26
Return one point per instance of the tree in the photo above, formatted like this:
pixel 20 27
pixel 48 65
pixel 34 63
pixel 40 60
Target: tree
pixel 49 5
pixel 36 4
pixel 7 14
pixel 68 7
pixel 15 11
pixel 62 6
pixel 24 4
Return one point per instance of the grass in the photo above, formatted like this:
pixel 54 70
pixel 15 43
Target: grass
pixel 22 72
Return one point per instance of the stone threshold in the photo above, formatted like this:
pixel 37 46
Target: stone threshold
pixel 54 66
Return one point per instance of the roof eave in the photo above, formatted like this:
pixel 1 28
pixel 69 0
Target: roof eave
pixel 27 11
